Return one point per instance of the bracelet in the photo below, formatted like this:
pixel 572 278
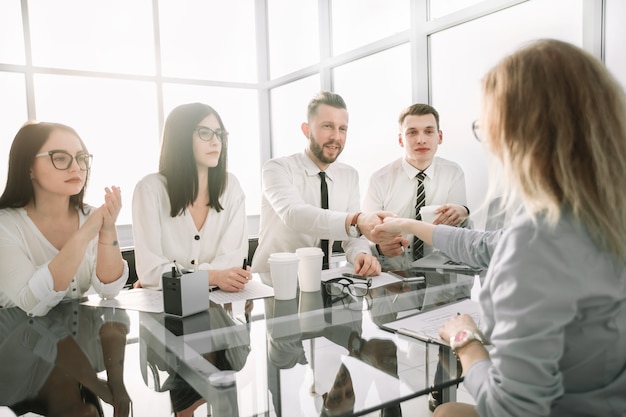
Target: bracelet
pixel 115 243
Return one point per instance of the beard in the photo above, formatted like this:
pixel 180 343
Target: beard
pixel 318 151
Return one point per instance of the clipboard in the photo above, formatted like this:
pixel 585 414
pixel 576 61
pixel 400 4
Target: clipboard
pixel 424 326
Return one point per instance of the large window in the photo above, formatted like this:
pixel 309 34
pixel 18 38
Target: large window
pixel 615 39
pixel 462 54
pixel 112 36
pixel 358 22
pixel 293 43
pixel 373 107
pixel 115 69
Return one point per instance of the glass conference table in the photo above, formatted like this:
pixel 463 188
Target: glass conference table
pixel 314 355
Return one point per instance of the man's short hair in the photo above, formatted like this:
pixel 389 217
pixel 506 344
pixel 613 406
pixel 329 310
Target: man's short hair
pixel 325 97
pixel 418 109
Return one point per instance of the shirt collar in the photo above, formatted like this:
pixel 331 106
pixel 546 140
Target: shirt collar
pixel 313 170
pixel 411 171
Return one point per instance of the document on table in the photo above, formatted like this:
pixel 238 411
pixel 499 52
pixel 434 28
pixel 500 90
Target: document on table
pixel 254 289
pixel 140 299
pixel 425 326
pixel 377 281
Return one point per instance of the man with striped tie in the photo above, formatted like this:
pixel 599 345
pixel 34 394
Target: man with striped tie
pixel 417 179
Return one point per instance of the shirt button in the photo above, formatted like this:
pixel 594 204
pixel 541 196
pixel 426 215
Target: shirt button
pixel 197 237
pixel 193 261
pixel 73 289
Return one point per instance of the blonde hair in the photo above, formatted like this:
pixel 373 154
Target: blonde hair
pixel 556 118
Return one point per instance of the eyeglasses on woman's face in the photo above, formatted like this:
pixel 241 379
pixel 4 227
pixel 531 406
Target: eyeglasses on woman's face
pixel 63 160
pixel 207 134
pixel 337 286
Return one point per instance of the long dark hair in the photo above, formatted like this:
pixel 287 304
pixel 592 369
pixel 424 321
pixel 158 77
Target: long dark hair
pixel 177 162
pixel 19 191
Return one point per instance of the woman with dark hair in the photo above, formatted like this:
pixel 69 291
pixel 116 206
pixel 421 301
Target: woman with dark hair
pixel 52 245
pixel 193 210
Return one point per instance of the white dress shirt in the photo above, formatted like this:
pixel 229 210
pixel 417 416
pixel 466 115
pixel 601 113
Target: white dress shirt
pixel 26 281
pixel 394 188
pixel 161 239
pixel 291 213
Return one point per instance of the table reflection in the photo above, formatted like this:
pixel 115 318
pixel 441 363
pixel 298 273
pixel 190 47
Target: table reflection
pixel 216 335
pixel 49 365
pixel 343 366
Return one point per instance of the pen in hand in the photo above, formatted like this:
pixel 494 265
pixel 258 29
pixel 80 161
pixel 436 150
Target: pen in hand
pixel 245 265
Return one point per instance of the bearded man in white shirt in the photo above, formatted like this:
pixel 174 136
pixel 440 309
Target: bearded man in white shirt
pixel 394 187
pixel 291 210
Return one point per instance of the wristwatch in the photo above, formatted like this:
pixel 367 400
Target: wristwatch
pixel 463 337
pixel 353 230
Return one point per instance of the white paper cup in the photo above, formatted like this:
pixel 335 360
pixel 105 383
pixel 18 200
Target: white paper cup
pixel 284 275
pixel 428 213
pixel 310 268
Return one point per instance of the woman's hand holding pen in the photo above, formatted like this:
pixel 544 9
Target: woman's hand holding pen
pixel 232 279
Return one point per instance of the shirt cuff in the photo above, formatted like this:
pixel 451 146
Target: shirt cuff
pixel 41 286
pixel 112 289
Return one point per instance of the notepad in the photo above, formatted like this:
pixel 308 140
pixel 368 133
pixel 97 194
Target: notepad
pixel 425 326
pixel 254 289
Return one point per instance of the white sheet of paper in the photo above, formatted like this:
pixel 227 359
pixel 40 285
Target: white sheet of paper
pixel 254 289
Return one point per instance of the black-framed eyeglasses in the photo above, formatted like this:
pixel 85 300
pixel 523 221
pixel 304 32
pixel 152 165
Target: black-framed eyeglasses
pixel 476 130
pixel 207 134
pixel 338 286
pixel 63 160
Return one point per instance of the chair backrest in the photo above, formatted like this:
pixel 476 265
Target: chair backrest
pixel 129 256
pixel 253 242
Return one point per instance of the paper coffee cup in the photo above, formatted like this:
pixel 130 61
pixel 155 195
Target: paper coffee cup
pixel 428 213
pixel 310 268
pixel 284 275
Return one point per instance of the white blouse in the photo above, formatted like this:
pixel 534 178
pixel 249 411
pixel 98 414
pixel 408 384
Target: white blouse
pixel 160 239
pixel 26 281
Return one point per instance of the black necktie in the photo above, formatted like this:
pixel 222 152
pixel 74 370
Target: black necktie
pixel 324 242
pixel 418 244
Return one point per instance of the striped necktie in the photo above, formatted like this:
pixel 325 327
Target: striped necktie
pixel 324 242
pixel 418 244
